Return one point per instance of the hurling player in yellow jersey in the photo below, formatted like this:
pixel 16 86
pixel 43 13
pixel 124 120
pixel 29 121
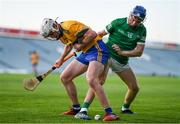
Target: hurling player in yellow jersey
pixel 34 58
pixel 92 60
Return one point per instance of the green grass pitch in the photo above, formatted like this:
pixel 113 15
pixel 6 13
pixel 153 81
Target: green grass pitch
pixel 158 100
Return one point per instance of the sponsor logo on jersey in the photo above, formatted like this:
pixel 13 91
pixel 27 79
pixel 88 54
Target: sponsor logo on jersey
pixel 129 34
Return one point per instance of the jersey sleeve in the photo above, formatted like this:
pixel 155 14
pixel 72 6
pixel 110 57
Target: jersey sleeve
pixel 110 27
pixel 143 37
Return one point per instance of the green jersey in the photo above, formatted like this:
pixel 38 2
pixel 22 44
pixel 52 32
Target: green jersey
pixel 125 37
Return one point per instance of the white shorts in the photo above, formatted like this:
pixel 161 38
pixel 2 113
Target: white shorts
pixel 117 67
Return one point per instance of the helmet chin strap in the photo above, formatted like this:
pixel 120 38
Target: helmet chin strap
pixel 60 33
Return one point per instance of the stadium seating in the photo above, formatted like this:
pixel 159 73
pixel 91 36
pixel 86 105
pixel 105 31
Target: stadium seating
pixel 14 57
pixel 14 54
pixel 157 62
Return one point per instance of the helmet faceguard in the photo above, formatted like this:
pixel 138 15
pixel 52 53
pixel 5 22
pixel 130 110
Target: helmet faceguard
pixel 48 27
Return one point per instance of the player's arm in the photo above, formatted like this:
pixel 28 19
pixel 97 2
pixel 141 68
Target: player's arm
pixel 85 39
pixel 136 52
pixel 67 49
pixel 109 29
pixel 102 33
pixel 60 61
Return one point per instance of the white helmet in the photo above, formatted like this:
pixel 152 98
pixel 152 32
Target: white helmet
pixel 47 27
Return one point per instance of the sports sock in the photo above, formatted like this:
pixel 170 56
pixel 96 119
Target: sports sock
pixel 108 110
pixel 76 107
pixel 125 107
pixel 85 106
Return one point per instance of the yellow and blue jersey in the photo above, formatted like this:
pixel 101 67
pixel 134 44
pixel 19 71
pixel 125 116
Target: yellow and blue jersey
pixel 70 32
pixel 94 51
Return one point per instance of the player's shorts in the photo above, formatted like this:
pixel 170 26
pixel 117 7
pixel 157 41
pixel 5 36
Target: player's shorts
pixel 118 67
pixel 98 52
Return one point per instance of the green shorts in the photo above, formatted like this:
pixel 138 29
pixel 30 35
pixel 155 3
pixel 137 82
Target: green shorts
pixel 118 67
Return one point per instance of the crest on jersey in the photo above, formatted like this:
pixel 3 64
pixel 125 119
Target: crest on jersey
pixel 130 35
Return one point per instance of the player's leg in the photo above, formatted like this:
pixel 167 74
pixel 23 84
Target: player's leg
pixel 90 94
pixel 93 72
pixel 74 69
pixel 130 80
pixel 97 57
pixel 34 66
pixel 95 69
pixel 127 75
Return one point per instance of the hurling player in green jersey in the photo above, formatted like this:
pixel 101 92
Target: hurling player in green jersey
pixel 126 39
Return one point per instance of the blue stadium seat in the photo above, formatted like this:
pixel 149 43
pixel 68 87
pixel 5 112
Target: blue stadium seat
pixel 14 55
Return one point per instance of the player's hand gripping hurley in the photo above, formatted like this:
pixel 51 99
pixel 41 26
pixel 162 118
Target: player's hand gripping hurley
pixel 32 83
